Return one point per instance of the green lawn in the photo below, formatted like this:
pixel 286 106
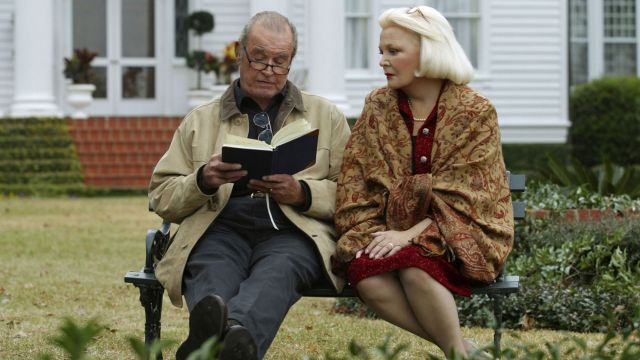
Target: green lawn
pixel 67 257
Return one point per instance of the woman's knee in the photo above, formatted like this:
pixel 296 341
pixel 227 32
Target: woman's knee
pixel 415 277
pixel 377 287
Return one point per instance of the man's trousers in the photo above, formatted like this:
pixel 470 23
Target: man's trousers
pixel 258 271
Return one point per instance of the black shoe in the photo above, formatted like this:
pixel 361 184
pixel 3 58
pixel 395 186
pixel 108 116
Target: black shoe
pixel 208 318
pixel 238 344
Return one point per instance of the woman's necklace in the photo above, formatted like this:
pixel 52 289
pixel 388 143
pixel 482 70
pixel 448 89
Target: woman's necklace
pixel 412 112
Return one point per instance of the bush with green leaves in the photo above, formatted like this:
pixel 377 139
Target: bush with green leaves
pixel 605 121
pixel 38 157
pixel 572 275
pixel 618 344
pixel 605 179
pixel 553 197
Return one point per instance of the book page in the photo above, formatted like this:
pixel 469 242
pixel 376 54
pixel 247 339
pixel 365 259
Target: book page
pixel 291 131
pixel 233 140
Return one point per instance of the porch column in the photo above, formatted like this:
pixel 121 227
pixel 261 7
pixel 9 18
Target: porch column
pixel 325 51
pixel 33 60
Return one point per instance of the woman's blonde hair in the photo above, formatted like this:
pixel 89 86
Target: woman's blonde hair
pixel 441 56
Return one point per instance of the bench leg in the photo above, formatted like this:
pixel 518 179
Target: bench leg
pixel 151 300
pixel 497 313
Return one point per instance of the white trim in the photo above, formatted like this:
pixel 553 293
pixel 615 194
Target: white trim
pixel 483 69
pixel 564 79
pixel 595 34
pixel 637 38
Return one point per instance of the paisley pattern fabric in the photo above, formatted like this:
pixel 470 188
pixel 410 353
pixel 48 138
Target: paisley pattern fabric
pixel 466 194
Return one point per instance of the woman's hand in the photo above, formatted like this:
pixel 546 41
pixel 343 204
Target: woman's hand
pixel 387 243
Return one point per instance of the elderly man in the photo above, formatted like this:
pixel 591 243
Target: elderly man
pixel 243 255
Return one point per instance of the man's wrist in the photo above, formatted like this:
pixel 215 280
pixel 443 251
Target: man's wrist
pixel 306 194
pixel 201 185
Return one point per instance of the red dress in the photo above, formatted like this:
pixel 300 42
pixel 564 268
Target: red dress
pixel 438 267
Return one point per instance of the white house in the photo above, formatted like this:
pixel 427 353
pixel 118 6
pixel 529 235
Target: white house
pixel 520 49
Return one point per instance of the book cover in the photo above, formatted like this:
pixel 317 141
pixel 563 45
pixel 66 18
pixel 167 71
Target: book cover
pixel 293 149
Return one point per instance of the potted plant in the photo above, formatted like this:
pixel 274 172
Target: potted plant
pixel 201 22
pixel 202 62
pixel 228 65
pixel 81 76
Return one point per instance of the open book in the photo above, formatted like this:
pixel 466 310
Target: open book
pixel 292 149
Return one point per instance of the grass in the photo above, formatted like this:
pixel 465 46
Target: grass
pixel 67 257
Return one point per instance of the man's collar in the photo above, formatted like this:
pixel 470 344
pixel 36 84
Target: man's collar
pixel 229 107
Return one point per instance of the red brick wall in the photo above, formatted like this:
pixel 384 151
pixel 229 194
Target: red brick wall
pixel 120 152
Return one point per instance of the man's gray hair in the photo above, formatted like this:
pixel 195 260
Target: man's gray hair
pixel 271 20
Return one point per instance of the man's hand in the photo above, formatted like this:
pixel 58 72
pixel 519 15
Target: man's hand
pixel 284 189
pixel 216 172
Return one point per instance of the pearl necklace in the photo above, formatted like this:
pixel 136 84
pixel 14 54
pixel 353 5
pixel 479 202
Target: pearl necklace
pixel 412 112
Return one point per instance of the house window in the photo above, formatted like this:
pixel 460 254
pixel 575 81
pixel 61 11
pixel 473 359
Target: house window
pixel 620 37
pixel 90 32
pixel 579 51
pixel 464 17
pixel 358 15
pixel 604 39
pixel 182 33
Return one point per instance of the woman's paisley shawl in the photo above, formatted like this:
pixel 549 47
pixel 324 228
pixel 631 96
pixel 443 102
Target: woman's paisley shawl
pixel 466 195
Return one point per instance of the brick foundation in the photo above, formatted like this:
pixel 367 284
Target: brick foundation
pixel 120 152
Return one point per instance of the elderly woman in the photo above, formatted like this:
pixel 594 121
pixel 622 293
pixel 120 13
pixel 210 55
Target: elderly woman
pixel 423 204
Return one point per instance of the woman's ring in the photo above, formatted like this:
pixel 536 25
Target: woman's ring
pixel 391 244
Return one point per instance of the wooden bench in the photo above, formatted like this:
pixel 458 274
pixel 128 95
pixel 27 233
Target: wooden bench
pixel 157 241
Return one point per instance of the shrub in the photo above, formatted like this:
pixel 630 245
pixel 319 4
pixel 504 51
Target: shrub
pixel 572 276
pixel 528 159
pixel 539 195
pixel 605 121
pixel 38 157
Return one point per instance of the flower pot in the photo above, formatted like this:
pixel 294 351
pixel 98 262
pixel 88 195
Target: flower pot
pixel 197 97
pixel 79 96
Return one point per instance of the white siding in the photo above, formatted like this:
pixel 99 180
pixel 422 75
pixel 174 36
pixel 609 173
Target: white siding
pixel 6 55
pixel 527 68
pixel 230 16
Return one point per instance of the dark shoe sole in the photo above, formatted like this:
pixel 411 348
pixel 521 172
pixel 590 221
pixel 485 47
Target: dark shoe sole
pixel 238 345
pixel 208 319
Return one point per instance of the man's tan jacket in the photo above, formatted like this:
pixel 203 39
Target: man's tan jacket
pixel 175 196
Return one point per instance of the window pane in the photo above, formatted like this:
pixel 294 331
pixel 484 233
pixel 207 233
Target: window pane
pixel 579 63
pixel 357 44
pixel 464 17
pixel 90 25
pixel 578 19
pixel 357 6
pixel 138 82
pixel 619 18
pixel 182 33
pixel 138 28
pixel 100 82
pixel 620 59
pixel 357 51
pixel 446 6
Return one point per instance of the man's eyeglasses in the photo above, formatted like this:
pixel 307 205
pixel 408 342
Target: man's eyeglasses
pixel 261 119
pixel 259 65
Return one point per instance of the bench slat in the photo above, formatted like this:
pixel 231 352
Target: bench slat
pixel 517 182
pixel 505 285
pixel 519 210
